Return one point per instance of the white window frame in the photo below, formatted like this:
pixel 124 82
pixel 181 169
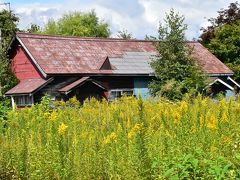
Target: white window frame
pixel 121 91
pixel 23 100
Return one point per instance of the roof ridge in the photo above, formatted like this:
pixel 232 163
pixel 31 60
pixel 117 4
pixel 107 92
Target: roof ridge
pixel 63 37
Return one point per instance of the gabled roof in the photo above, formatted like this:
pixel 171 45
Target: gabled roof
pixel 222 82
pixel 67 89
pixel 75 55
pixel 28 86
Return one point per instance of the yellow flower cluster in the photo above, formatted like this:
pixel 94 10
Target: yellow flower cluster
pixel 62 129
pixel 176 117
pixel 53 116
pixel 212 123
pixel 110 138
pixel 134 131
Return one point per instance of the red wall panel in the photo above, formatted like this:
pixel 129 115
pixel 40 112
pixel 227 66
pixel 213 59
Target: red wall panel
pixel 22 66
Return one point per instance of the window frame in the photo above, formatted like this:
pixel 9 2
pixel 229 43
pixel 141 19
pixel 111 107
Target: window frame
pixel 23 100
pixel 122 93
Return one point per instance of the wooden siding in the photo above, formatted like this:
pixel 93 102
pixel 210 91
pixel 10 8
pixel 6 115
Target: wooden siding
pixel 22 66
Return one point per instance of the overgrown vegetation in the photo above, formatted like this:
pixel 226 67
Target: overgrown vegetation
pixel 8 27
pixel 176 72
pixel 127 139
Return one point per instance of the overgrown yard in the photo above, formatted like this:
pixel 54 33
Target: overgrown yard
pixel 127 139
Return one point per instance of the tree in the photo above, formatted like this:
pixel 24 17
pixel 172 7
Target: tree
pixel 176 73
pixel 78 24
pixel 124 34
pixel 222 37
pixel 8 26
pixel 225 16
pixel 34 28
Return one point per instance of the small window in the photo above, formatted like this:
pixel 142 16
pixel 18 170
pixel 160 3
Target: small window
pixel 24 100
pixel 117 93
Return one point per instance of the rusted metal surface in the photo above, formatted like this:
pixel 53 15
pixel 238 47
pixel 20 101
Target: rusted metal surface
pixel 28 86
pixel 64 55
pixel 74 55
pixel 210 64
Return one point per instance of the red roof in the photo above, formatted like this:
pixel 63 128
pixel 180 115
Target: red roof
pixel 76 55
pixel 210 63
pixel 28 86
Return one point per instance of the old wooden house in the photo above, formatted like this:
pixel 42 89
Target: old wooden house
pixel 63 67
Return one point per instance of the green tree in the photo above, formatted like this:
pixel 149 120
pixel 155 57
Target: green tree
pixel 225 16
pixel 222 37
pixel 78 24
pixel 8 27
pixel 124 34
pixel 176 72
pixel 34 28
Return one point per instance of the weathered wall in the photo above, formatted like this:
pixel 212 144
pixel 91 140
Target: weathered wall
pixel 22 67
pixel 141 86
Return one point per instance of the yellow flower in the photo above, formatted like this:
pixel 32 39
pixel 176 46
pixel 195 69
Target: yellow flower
pixel 46 115
pixel 62 129
pixel 212 124
pixel 110 138
pixel 224 117
pixel 202 120
pixel 183 106
pixel 53 116
pixel 73 101
pixel 176 117
pixel 226 140
pixel 134 130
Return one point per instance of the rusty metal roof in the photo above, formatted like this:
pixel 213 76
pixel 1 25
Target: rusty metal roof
pixel 209 63
pixel 76 55
pixel 28 86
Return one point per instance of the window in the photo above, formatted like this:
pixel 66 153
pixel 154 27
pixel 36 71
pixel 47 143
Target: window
pixel 117 93
pixel 24 100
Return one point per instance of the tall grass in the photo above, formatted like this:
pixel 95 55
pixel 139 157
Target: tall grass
pixel 127 139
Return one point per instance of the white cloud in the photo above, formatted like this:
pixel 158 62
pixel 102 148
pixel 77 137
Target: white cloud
pixel 140 17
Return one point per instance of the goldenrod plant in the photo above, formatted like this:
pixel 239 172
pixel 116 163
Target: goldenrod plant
pixel 127 139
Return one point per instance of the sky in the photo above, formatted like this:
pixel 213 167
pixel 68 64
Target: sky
pixel 139 17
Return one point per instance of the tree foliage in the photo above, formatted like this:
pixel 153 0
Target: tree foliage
pixel 222 38
pixel 225 16
pixel 8 26
pixel 78 24
pixel 34 28
pixel 176 73
pixel 124 34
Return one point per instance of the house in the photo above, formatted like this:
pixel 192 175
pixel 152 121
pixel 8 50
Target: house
pixel 63 67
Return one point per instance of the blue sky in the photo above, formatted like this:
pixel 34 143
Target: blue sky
pixel 140 17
